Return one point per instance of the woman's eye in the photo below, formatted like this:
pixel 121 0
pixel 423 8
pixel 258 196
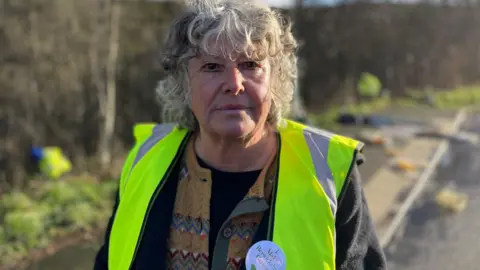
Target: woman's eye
pixel 250 65
pixel 211 67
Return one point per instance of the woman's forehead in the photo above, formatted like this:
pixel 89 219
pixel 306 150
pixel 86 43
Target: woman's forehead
pixel 228 49
pixel 222 57
pixel 227 56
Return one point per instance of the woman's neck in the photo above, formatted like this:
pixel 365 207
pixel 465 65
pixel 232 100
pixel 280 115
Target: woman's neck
pixel 236 155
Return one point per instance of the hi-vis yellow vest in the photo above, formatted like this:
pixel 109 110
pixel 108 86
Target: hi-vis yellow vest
pixel 313 166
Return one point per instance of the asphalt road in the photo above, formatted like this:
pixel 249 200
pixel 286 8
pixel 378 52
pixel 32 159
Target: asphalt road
pixel 434 238
pixel 375 154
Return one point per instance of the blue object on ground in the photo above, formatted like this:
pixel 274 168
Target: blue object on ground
pixel 37 153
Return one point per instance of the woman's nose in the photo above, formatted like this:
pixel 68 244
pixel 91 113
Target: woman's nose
pixel 234 81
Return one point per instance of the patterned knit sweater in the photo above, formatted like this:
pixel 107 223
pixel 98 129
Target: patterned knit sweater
pixel 188 242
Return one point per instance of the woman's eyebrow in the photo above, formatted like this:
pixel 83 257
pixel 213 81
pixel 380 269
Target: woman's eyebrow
pixel 209 57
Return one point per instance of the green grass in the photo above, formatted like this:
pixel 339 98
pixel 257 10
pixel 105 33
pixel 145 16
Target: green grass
pixel 451 99
pixel 465 96
pixel 327 119
pixel 36 217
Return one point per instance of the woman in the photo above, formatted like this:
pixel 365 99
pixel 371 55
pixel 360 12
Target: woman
pixel 231 172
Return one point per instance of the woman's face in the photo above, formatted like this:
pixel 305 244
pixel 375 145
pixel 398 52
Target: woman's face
pixel 230 98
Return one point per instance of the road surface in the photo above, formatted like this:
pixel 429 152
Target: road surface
pixel 375 154
pixel 432 237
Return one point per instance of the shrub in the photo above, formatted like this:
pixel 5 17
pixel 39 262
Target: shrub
pixel 81 215
pixel 14 201
pixel 56 208
pixel 26 227
pixel 59 194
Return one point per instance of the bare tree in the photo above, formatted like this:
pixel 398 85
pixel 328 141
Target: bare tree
pixel 107 99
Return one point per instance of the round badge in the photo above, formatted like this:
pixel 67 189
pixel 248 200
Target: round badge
pixel 265 255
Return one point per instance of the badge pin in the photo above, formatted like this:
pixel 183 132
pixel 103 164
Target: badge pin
pixel 265 255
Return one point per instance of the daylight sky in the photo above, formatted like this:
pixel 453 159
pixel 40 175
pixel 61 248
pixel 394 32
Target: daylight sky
pixel 289 3
pixel 280 3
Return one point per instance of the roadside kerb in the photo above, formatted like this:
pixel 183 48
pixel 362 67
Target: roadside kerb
pixel 384 188
pixel 389 230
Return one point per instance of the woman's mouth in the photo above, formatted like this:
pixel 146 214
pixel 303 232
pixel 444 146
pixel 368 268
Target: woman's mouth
pixel 233 107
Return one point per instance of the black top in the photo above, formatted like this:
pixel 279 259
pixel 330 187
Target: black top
pixel 228 189
pixel 357 245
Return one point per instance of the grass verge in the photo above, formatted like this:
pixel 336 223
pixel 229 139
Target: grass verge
pixel 465 96
pixel 48 211
pixel 450 99
pixel 327 119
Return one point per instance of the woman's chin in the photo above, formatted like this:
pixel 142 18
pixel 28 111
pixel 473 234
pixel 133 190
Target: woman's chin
pixel 233 130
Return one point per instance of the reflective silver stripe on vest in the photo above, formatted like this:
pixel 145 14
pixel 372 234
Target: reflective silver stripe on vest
pixel 318 142
pixel 158 133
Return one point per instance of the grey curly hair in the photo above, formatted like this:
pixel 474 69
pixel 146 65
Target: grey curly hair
pixel 246 27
